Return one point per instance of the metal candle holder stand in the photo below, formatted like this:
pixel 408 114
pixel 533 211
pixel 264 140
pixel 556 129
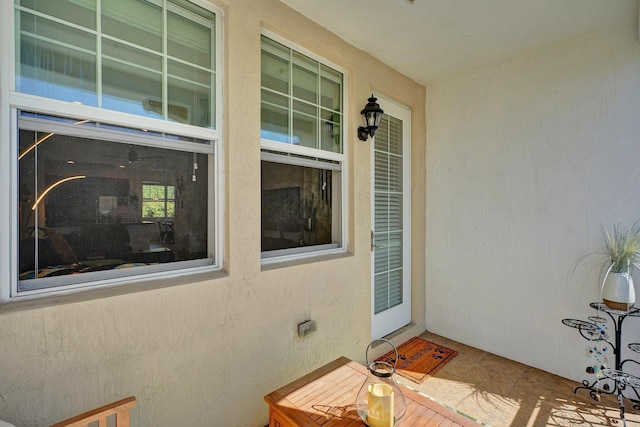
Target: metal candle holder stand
pixel 622 381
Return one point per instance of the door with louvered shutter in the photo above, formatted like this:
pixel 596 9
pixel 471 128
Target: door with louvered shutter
pixel 391 222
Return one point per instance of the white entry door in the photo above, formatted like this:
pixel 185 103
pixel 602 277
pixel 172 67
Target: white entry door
pixel 391 221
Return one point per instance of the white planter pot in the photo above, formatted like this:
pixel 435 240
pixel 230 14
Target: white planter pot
pixel 618 291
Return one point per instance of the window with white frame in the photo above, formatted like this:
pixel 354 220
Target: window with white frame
pixel 303 156
pixel 115 109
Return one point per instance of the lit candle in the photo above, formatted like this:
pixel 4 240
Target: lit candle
pixel 380 405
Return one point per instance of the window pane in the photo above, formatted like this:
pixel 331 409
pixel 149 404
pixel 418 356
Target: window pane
pixel 50 67
pixel 153 192
pixel 132 80
pixel 197 14
pixel 381 302
pixel 330 132
pixel 381 213
pixel 189 41
pixel 297 206
pixel 388 290
pixel 381 166
pixel 275 117
pixel 190 95
pixel 305 124
pixel 395 135
pixel 395 212
pixel 154 209
pixel 395 173
pixel 275 72
pixel 331 89
pixel 305 130
pixel 381 254
pixel 80 13
pixel 388 271
pixel 137 22
pixel 82 203
pixel 305 78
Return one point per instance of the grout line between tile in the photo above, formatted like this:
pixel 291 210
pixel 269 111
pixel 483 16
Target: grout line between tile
pixel 510 392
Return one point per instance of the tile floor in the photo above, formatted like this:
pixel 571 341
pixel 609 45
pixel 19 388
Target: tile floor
pixel 498 392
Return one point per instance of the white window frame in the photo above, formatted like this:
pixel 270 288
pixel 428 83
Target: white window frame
pixel 11 102
pixel 268 146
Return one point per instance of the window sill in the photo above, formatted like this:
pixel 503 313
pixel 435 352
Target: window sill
pixel 81 295
pixel 275 264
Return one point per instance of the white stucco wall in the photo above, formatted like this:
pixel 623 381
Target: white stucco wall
pixel 204 352
pixel 525 161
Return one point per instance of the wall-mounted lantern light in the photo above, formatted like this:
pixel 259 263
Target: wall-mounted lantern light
pixel 371 113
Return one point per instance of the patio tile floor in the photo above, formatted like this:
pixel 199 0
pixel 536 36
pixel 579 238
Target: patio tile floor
pixel 499 392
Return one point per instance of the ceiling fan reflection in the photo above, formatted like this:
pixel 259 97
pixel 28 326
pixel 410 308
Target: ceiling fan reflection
pixel 132 156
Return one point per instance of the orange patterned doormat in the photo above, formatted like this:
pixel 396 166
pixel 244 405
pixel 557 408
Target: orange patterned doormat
pixel 419 359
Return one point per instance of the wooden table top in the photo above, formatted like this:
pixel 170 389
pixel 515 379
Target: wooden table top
pixel 326 397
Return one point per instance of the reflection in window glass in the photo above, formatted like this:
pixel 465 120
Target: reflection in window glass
pixel 136 22
pixel 275 69
pixel 191 93
pixel 301 99
pixel 56 61
pixel 275 117
pixel 189 40
pixel 60 57
pixel 305 124
pixel 130 77
pixel 330 89
pixel 305 78
pixel 86 203
pixel 158 201
pixel 299 206
pixel 69 10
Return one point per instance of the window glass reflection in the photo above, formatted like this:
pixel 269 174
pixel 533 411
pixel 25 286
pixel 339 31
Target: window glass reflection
pixel 88 204
pixel 124 58
pixel 297 206
pixel 301 99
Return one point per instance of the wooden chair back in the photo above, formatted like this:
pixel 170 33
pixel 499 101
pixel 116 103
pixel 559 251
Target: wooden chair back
pixel 119 409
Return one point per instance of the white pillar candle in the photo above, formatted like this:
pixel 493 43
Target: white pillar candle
pixel 380 405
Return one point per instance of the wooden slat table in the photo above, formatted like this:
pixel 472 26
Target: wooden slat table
pixel 326 397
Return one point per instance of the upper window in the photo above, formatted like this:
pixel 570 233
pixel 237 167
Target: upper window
pixel 302 153
pixel 116 147
pixel 301 99
pixel 151 58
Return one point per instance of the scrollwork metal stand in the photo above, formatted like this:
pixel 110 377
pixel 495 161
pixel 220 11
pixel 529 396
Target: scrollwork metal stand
pixel 593 330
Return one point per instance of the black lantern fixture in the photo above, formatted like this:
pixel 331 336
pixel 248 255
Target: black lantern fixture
pixel 371 113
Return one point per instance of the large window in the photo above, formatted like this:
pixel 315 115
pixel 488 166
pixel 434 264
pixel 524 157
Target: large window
pixel 116 147
pixel 302 153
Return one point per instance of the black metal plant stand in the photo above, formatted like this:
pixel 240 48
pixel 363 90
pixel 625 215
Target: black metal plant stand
pixel 615 381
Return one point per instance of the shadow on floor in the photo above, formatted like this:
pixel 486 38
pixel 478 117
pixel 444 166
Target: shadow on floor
pixel 499 392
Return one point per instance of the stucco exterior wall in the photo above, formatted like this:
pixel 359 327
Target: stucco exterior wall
pixel 205 351
pixel 525 162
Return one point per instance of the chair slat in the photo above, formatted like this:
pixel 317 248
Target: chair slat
pixel 120 409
